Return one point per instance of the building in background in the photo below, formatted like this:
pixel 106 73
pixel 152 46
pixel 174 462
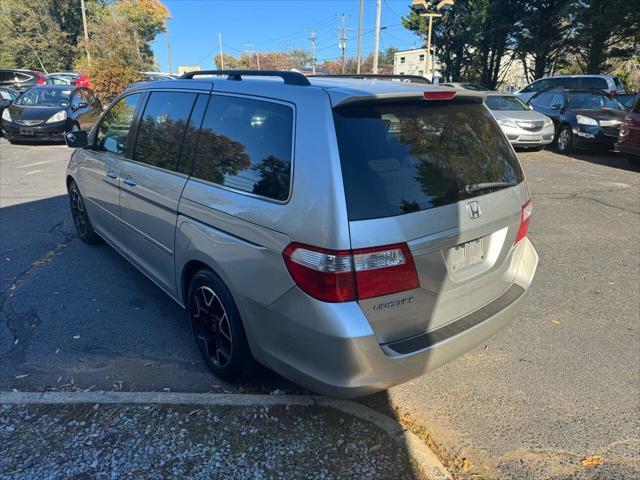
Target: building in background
pixel 188 68
pixel 413 62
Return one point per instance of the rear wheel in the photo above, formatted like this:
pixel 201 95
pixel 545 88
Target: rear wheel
pixel 217 328
pixel 565 140
pixel 80 217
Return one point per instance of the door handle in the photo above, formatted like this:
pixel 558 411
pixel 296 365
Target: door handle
pixel 112 174
pixel 130 181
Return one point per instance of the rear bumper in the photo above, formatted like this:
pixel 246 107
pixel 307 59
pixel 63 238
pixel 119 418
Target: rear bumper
pixel 331 348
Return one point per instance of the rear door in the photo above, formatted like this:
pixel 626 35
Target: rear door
pixel 420 173
pixel 152 182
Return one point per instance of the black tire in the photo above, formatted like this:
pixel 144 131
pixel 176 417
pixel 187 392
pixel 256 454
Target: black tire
pixel 217 328
pixel 84 229
pixel 564 141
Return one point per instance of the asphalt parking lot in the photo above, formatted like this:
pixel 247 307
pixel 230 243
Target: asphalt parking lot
pixel 559 384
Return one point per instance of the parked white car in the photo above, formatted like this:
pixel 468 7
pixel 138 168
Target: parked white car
pixel 524 128
pixel 607 83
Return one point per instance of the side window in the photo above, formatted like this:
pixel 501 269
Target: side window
pixel 542 100
pixel 557 99
pixel 245 144
pixel 594 83
pixel 91 98
pixel 113 132
pixel 568 82
pixel 162 127
pixel 78 98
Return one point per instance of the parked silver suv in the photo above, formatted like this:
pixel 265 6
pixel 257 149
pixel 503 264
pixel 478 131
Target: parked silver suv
pixel 350 234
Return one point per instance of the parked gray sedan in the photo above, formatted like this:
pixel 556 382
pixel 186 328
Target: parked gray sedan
pixel 350 234
pixel 525 128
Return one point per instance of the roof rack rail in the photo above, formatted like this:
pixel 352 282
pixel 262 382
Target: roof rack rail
pixel 381 76
pixel 290 78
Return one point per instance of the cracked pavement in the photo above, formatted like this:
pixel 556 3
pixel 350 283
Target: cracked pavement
pixel 558 384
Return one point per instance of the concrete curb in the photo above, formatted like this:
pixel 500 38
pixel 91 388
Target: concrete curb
pixel 426 462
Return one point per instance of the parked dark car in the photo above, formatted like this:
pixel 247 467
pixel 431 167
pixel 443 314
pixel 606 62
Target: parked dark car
pixel 629 137
pixel 582 118
pixel 48 112
pixel 627 99
pixel 19 79
pixel 7 97
pixel 68 78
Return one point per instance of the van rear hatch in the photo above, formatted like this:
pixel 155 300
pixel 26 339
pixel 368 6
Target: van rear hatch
pixel 440 177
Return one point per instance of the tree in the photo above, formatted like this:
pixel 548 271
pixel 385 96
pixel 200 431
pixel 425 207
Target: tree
pixel 605 30
pixel 148 18
pixel 543 34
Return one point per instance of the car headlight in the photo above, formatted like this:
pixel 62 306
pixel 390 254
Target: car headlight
pixel 548 122
pixel 6 115
pixel 58 117
pixel 582 120
pixel 507 123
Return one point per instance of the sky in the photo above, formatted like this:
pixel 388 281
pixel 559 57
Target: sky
pixel 275 25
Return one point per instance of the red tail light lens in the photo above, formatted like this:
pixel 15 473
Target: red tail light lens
pixel 82 81
pixel 347 275
pixel 444 95
pixel 527 210
pixel 41 80
pixel 613 93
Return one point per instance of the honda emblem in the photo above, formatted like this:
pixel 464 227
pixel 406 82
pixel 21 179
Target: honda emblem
pixel 474 210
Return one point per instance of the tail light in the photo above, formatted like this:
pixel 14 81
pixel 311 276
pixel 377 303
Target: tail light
pixel 613 93
pixel 347 275
pixel 527 210
pixel 41 79
pixel 82 81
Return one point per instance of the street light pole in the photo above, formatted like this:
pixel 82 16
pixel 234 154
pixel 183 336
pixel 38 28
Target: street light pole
pixel 166 25
pixel 422 7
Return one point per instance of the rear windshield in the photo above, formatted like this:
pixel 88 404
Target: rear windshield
pixel 405 157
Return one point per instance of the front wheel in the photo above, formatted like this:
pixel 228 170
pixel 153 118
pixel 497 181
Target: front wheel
pixel 217 328
pixel 565 140
pixel 80 217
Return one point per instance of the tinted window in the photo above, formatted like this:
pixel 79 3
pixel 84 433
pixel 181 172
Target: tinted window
pixel 113 132
pixel 539 85
pixel 405 157
pixel 505 102
pixel 46 97
pixel 592 101
pixel 595 83
pixel 542 100
pixel 6 76
pixel 557 99
pixel 162 127
pixel 568 82
pixel 246 144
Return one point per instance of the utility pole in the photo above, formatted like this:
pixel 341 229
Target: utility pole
pixel 248 49
pixel 376 46
pixel 313 36
pixel 360 38
pixel 422 7
pixel 86 31
pixel 221 56
pixel 166 25
pixel 258 59
pixel 342 38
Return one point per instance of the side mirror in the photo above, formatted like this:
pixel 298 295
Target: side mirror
pixel 557 107
pixel 77 139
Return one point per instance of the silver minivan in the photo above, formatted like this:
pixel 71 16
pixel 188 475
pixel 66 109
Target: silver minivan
pixel 350 234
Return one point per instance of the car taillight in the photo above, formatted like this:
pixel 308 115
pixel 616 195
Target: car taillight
pixel 613 93
pixel 347 275
pixel 41 80
pixel 527 210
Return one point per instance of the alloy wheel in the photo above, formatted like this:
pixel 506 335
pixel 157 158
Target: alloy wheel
pixel 211 326
pixel 563 140
pixel 78 212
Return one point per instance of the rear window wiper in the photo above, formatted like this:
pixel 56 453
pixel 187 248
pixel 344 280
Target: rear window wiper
pixel 476 187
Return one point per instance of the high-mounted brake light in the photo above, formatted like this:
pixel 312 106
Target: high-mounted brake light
pixel 527 210
pixel 347 275
pixel 444 95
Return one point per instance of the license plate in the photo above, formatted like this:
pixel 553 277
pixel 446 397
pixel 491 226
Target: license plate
pixel 465 254
pixel 26 131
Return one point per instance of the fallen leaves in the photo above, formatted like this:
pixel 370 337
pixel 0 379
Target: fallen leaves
pixel 591 461
pixel 557 322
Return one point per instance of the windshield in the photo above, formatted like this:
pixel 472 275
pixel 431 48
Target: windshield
pixel 399 158
pixel 504 102
pixel 592 101
pixel 45 97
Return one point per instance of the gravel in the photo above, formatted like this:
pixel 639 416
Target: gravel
pixel 179 441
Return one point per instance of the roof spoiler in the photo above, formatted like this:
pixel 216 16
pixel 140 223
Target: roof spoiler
pixel 381 76
pixel 290 78
pixel 436 95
